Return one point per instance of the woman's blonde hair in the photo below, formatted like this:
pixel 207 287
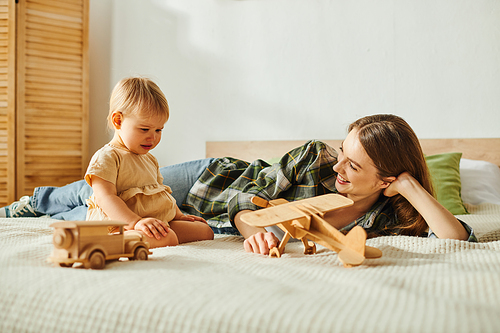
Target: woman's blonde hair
pixel 137 95
pixel 394 148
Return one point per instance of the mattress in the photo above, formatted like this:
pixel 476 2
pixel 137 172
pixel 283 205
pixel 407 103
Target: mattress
pixel 419 285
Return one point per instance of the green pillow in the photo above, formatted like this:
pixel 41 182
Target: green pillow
pixel 273 160
pixel 445 174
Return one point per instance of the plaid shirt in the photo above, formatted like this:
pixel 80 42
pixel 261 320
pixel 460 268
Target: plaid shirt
pixel 228 185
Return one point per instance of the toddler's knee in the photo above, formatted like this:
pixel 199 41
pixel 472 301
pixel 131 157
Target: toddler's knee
pixel 169 240
pixel 208 233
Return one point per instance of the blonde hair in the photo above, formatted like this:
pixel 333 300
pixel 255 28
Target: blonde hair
pixel 137 95
pixel 394 148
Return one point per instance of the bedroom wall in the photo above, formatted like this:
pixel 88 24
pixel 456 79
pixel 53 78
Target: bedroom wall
pixel 295 69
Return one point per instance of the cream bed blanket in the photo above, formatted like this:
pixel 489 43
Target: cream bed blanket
pixel 419 285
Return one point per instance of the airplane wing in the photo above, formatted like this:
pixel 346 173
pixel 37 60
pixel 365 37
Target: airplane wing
pixel 283 213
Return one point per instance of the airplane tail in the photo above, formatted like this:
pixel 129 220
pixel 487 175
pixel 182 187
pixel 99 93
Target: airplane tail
pixel 357 239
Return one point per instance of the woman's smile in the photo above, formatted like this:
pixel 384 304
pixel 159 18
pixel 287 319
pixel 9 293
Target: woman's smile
pixel 341 180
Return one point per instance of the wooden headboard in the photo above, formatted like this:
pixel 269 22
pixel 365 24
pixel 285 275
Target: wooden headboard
pixel 474 149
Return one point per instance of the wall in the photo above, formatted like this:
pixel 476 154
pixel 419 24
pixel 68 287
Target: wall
pixel 100 46
pixel 296 69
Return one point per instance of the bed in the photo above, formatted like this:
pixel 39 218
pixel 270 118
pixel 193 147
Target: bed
pixel 419 285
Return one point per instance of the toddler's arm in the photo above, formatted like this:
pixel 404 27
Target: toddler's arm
pixel 115 208
pixel 180 216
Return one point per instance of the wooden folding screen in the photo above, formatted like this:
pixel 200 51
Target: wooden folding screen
pixel 7 101
pixel 51 94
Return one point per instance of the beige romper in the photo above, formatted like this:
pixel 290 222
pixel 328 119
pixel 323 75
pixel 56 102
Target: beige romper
pixel 138 182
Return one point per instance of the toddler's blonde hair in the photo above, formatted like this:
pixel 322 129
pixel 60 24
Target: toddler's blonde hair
pixel 137 95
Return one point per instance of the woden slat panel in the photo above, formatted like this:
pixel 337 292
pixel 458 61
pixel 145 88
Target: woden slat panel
pixel 56 11
pixel 61 50
pixel 62 94
pixel 68 4
pixel 40 99
pixel 72 116
pixel 36 28
pixel 45 40
pixel 53 55
pixel 36 75
pixel 56 33
pixel 54 81
pixel 47 63
pixel 43 13
pixel 33 108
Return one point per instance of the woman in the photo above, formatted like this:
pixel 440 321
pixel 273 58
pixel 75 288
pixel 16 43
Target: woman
pixel 380 166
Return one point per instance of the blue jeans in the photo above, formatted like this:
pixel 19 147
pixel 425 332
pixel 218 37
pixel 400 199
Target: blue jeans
pixel 68 202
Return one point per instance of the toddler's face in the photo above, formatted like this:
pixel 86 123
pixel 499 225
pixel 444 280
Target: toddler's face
pixel 140 133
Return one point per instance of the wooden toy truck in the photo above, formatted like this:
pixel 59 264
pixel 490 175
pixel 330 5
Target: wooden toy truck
pixel 303 219
pixel 89 243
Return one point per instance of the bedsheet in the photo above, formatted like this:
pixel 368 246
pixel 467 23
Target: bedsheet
pixel 419 285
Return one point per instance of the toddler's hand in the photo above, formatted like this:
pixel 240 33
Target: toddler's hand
pixel 152 227
pixel 191 218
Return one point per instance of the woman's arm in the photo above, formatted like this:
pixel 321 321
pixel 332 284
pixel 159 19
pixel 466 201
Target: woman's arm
pixel 439 219
pixel 116 209
pixel 257 240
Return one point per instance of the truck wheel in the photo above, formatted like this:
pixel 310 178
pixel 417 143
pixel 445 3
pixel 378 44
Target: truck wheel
pixel 96 260
pixel 141 254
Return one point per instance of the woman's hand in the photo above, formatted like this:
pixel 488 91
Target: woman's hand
pixel 261 242
pixel 396 186
pixel 258 240
pixel 152 227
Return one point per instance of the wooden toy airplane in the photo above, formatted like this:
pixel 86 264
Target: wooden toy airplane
pixel 303 219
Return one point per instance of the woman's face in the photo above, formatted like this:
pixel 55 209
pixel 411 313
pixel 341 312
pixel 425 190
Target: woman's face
pixel 357 175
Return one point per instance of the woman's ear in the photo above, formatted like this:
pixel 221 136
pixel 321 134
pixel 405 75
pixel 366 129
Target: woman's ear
pixel 117 118
pixel 387 181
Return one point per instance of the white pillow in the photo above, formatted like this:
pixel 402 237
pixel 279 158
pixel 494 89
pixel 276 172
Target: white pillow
pixel 480 182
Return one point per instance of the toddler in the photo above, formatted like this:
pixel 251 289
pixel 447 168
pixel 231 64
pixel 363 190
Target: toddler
pixel 125 176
